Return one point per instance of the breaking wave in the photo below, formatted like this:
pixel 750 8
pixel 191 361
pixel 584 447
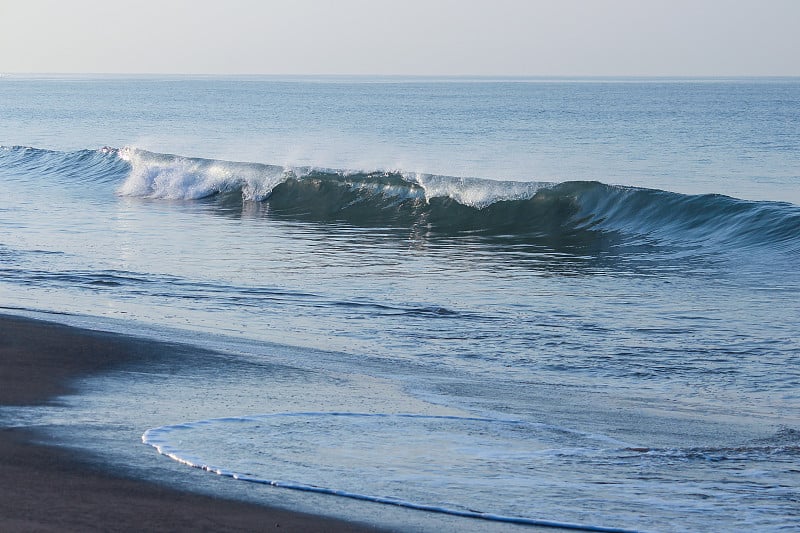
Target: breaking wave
pixel 450 205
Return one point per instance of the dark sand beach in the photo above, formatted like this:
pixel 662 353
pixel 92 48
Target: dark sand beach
pixel 46 488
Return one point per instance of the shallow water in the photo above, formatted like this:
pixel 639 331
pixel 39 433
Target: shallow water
pixel 614 301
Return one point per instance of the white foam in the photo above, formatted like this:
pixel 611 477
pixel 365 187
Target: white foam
pixel 474 192
pixel 173 177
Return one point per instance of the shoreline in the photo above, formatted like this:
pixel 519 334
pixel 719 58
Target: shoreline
pixel 48 488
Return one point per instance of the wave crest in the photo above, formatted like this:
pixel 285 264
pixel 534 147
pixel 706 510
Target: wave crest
pixel 173 177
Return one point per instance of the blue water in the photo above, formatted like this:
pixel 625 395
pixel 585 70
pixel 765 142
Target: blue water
pixel 540 301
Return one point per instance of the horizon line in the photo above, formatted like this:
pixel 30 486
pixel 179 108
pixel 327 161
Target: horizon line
pixel 407 75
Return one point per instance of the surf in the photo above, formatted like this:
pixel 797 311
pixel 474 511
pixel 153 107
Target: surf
pixel 468 451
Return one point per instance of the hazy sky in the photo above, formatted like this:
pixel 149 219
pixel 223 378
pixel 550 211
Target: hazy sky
pixel 430 37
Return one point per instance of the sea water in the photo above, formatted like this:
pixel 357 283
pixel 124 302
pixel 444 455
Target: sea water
pixel 563 302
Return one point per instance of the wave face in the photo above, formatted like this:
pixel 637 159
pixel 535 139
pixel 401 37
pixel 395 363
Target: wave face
pixel 576 211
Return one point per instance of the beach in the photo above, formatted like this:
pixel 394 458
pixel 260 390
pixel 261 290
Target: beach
pixel 47 488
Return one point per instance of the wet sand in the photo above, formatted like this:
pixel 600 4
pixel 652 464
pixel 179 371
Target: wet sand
pixel 46 488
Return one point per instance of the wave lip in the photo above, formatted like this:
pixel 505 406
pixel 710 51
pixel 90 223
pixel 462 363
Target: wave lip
pixel 475 192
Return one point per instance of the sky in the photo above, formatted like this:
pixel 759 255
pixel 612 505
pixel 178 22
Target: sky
pixel 403 37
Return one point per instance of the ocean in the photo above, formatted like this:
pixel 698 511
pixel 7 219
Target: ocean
pixel 459 303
